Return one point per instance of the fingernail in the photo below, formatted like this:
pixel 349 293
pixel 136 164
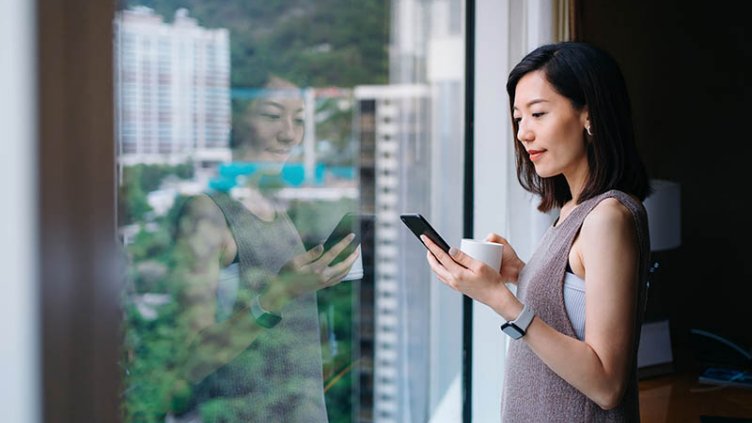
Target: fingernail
pixel 452 251
pixel 319 247
pixel 351 237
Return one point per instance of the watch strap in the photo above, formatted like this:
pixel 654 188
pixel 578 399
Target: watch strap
pixel 517 328
pixel 263 317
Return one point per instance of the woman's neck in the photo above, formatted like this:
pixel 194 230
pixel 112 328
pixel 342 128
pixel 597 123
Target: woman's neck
pixel 258 204
pixel 576 181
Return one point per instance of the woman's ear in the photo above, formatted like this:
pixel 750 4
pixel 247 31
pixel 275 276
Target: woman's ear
pixel 585 117
pixel 586 124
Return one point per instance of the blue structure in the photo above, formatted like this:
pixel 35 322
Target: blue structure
pixel 292 174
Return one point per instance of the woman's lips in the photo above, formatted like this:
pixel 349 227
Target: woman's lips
pixel 535 154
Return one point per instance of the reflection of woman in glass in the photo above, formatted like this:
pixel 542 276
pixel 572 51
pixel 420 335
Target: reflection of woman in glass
pixel 247 287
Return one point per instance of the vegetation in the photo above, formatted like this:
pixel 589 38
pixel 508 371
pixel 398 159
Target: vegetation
pixel 137 182
pixel 153 344
pixel 318 43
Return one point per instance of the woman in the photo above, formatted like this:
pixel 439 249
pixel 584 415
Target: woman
pixel 247 286
pixel 580 298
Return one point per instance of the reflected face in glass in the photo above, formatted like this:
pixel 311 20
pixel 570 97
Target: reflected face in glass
pixel 276 124
pixel 549 127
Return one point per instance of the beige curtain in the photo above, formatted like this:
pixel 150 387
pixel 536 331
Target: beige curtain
pixel 564 20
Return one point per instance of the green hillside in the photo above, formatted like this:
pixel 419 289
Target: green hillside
pixel 315 43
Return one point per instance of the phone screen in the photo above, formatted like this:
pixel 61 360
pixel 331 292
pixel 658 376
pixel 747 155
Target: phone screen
pixel 420 226
pixel 349 223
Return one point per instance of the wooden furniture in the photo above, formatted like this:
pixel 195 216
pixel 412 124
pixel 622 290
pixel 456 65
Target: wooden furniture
pixel 679 397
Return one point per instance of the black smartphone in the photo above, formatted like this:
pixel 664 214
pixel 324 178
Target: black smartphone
pixel 349 223
pixel 420 226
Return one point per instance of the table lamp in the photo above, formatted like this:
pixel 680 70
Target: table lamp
pixel 663 207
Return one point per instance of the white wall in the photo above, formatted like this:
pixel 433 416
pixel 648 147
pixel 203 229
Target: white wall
pixel 19 376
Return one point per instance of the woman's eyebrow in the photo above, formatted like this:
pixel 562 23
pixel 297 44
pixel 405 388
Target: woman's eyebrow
pixel 534 101
pixel 278 105
pixel 272 103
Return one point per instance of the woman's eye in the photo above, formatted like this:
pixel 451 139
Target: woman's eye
pixel 539 114
pixel 517 120
pixel 272 116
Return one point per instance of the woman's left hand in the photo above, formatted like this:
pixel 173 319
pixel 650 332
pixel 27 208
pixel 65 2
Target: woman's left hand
pixel 473 278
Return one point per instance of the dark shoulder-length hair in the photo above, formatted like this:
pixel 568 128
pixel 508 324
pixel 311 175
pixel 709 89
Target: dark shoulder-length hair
pixel 587 76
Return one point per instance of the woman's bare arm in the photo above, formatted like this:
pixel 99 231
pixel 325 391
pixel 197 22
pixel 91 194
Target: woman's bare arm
pixel 204 244
pixel 597 366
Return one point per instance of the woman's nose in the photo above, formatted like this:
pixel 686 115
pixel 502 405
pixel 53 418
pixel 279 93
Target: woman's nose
pixel 288 132
pixel 524 133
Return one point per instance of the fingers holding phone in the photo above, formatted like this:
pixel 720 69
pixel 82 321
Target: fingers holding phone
pixel 350 268
pixel 361 226
pixel 419 226
pixel 321 261
pixel 348 225
pixel 335 257
pixel 336 261
pixel 310 272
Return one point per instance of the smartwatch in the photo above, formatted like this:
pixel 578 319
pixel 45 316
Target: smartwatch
pixel 264 318
pixel 517 328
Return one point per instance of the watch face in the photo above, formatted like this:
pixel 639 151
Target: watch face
pixel 268 320
pixel 512 330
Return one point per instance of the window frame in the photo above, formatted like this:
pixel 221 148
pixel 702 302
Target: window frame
pixel 502 207
pixel 79 265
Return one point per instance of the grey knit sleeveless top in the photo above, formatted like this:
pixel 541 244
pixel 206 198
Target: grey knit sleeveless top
pixel 532 391
pixel 279 377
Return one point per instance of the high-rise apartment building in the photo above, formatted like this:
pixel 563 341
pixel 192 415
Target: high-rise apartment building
pixel 411 160
pixel 172 89
pixel 395 156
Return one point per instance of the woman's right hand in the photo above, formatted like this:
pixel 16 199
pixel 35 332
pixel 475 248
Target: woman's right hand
pixel 511 265
pixel 309 272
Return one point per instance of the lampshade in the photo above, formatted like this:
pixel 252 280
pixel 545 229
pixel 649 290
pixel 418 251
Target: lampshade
pixel 664 215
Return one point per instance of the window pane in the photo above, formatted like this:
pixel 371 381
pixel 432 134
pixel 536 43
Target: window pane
pixel 246 131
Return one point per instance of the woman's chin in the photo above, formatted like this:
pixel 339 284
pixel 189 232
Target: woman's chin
pixel 268 159
pixel 544 172
pixel 272 167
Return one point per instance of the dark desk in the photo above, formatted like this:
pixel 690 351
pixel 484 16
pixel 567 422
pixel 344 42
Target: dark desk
pixel 679 397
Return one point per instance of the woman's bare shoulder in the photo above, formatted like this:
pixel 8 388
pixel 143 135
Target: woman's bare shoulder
pixel 200 208
pixel 609 216
pixel 609 211
pixel 201 205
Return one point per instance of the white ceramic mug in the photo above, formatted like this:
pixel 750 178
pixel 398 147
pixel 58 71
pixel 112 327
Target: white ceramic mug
pixel 487 252
pixel 356 271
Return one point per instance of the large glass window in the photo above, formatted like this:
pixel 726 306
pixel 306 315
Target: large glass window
pixel 246 131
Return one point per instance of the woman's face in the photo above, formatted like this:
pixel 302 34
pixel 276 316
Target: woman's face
pixel 549 128
pixel 276 124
